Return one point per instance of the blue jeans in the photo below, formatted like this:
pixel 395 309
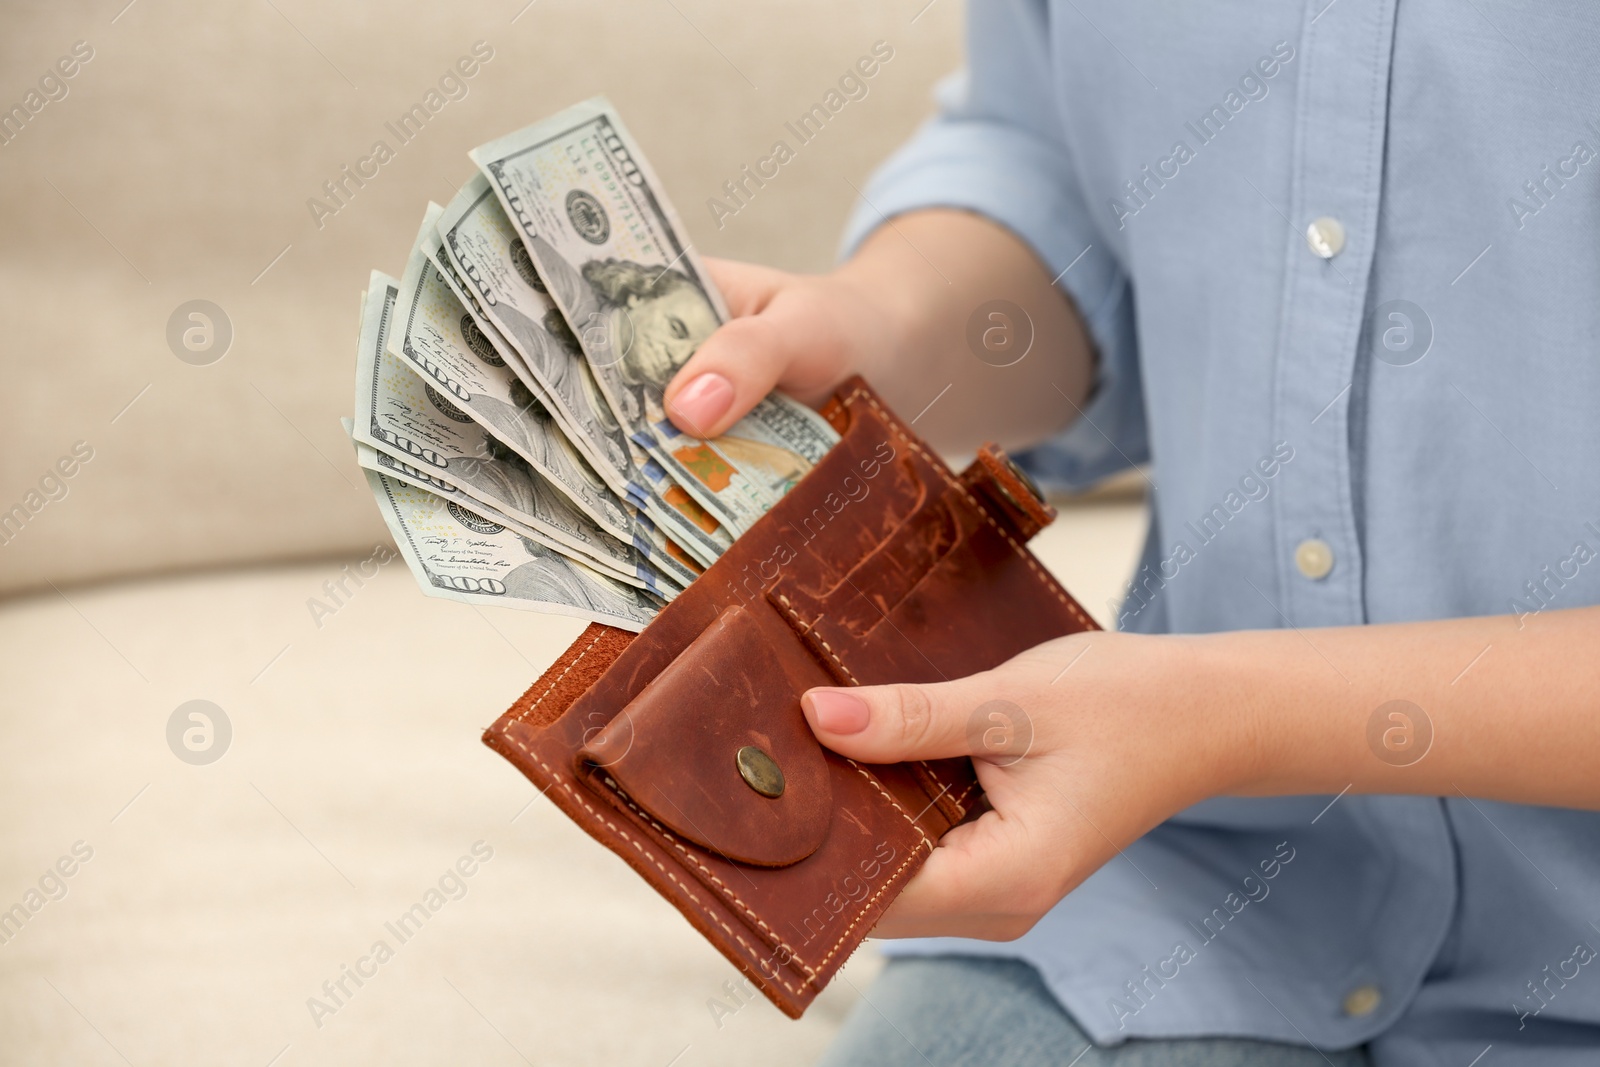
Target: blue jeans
pixel 967 1011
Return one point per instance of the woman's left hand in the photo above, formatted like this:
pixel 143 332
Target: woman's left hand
pixel 1086 742
pixel 1082 744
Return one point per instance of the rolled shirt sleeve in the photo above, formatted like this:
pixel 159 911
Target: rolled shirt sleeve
pixel 996 148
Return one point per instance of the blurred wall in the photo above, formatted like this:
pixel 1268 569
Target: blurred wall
pixel 176 164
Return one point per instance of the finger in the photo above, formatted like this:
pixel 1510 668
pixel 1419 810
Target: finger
pixel 729 374
pixel 891 723
pixel 746 287
pixel 989 879
pixel 964 889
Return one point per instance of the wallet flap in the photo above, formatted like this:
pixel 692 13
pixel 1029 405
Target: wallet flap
pixel 721 754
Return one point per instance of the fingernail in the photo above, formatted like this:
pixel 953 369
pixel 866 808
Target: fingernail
pixel 702 402
pixel 836 711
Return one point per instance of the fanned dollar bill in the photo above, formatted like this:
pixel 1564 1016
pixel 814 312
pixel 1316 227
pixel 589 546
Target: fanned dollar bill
pixel 610 251
pixel 371 460
pixel 491 259
pixel 400 414
pixel 438 336
pixel 458 554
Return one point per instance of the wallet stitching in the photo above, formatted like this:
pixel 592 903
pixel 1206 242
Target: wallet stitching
pixel 557 680
pixel 721 885
pixel 623 833
pixel 811 973
pixel 943 789
pixel 1027 557
pixel 664 869
pixel 806 628
pixel 620 832
pixel 867 907
pixel 890 798
pixel 959 801
pixel 1023 554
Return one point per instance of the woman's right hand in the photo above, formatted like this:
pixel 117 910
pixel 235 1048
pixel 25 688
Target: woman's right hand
pixel 900 313
pixel 802 334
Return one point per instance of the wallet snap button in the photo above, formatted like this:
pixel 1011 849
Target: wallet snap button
pixel 760 771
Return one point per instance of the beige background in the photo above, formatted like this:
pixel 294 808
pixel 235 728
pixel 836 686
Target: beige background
pixel 216 507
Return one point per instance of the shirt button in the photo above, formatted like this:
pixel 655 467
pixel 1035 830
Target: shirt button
pixel 1325 236
pixel 1314 557
pixel 1362 1000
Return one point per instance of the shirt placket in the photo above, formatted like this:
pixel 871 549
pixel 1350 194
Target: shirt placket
pixel 1335 185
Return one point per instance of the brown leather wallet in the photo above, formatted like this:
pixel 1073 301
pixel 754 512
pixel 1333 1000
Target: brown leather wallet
pixel 683 749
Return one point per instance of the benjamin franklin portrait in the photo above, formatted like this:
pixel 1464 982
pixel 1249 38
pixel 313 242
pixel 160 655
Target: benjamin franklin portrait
pixel 657 317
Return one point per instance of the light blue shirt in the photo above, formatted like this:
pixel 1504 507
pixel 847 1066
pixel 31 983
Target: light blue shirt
pixel 1397 424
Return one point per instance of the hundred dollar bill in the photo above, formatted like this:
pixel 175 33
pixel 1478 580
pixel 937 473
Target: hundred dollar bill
pixel 370 459
pixel 663 584
pixel 491 332
pixel 611 252
pixel 457 554
pixel 484 247
pixel 437 336
pixel 441 339
pixel 491 260
pixel 492 335
pixel 398 413
pixel 563 462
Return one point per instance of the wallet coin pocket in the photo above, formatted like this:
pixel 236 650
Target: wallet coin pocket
pixel 716 747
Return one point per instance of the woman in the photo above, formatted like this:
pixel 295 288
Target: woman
pixel 1330 270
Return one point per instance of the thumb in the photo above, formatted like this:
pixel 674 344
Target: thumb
pixel 744 359
pixel 735 367
pixel 891 723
